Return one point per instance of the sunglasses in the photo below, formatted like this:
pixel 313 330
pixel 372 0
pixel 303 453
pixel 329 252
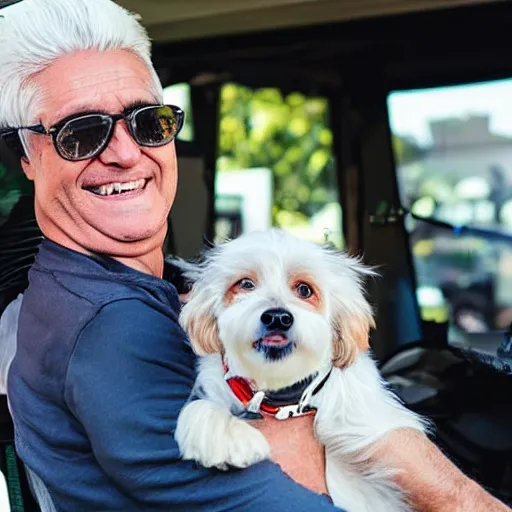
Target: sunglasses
pixel 85 136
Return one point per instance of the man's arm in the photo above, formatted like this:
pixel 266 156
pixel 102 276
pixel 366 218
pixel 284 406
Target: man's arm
pixel 129 377
pixel 301 457
pixel 432 481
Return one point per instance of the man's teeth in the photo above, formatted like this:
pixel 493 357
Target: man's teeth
pixel 118 188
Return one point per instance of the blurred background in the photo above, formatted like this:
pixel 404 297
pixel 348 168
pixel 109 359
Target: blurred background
pixel 453 151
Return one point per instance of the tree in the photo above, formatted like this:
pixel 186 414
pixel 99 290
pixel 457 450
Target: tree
pixel 289 135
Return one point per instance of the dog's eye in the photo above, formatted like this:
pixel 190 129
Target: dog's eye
pixel 304 291
pixel 246 284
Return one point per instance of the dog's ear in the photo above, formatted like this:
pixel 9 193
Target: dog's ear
pixel 198 319
pixel 350 335
pixel 197 316
pixel 351 314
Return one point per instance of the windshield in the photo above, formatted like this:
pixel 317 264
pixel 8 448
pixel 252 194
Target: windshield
pixel 453 152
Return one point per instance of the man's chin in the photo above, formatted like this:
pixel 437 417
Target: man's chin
pixel 124 241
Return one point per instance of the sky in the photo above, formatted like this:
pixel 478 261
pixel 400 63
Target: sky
pixel 409 112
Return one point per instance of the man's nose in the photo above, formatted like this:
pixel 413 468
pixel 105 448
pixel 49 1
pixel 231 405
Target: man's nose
pixel 122 150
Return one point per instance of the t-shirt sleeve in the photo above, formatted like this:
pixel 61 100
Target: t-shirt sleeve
pixel 129 376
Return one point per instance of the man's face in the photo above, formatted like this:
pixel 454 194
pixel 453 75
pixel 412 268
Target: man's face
pixel 68 211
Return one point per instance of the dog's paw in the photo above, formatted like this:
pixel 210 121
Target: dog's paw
pixel 210 435
pixel 245 445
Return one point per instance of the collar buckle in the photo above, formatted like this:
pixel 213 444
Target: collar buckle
pixel 293 411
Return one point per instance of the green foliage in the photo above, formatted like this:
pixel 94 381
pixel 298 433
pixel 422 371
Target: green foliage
pixel 12 185
pixel 289 135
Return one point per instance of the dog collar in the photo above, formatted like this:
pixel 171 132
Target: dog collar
pixel 275 404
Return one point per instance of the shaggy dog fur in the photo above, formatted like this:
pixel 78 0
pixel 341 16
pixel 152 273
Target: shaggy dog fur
pixel 278 310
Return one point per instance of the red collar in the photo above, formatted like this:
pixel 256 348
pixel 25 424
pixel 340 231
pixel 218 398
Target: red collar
pixel 246 392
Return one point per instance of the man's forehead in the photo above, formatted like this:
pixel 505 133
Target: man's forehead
pixel 105 78
pixel 101 97
pixel 97 87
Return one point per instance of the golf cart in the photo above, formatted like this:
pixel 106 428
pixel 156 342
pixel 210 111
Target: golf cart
pixel 297 116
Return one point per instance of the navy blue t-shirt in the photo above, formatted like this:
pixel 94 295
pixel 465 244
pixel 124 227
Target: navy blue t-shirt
pixel 101 372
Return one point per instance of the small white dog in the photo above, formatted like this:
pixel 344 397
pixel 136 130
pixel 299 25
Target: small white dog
pixel 282 325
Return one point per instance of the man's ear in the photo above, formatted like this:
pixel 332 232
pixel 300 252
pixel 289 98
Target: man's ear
pixel 26 164
pixel 28 169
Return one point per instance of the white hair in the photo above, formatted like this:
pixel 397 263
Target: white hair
pixel 35 33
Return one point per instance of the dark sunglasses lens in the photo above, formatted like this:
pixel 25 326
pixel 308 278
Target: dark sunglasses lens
pixel 84 137
pixel 156 126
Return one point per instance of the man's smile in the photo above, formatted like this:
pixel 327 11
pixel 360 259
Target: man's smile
pixel 118 188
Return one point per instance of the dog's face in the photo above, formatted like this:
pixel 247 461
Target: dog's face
pixel 278 307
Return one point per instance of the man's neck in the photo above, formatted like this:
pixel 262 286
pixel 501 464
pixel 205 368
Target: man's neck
pixel 146 256
pixel 149 263
pixel 152 263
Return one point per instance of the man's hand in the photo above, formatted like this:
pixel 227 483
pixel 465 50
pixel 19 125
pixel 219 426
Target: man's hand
pixel 432 481
pixel 294 447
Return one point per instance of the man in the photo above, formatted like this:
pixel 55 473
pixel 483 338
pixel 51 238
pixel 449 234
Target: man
pixel 102 367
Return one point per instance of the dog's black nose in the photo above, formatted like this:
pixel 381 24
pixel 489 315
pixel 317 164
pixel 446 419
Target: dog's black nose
pixel 277 318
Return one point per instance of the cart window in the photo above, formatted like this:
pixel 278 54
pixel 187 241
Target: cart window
pixel 453 152
pixel 179 95
pixel 275 165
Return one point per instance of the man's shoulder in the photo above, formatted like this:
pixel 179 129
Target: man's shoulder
pixel 69 303
pixel 132 326
pixel 58 307
pixel 95 291
pixel 96 280
pixel 133 314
